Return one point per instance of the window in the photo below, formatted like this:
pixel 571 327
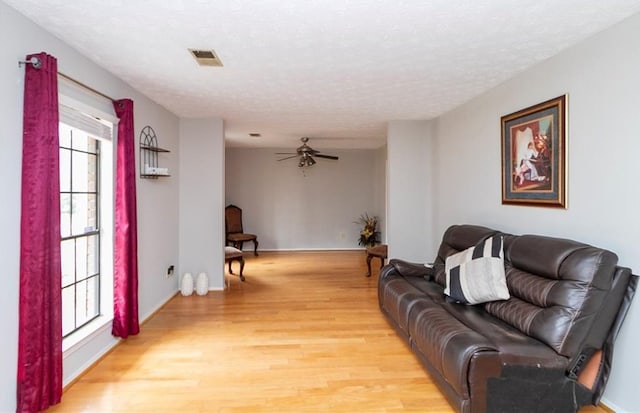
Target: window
pixel 79 227
pixel 86 173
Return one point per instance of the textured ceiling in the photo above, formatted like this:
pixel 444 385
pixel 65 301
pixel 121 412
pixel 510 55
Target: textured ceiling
pixel 331 69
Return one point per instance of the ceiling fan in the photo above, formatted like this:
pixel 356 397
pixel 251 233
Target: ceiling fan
pixel 306 154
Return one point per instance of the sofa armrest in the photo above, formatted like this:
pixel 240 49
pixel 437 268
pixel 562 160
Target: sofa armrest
pixel 410 269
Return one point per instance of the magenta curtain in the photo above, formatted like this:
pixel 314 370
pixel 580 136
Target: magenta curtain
pixel 125 282
pixel 40 314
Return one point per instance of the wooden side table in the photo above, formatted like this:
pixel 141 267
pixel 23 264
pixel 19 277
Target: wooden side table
pixel 378 251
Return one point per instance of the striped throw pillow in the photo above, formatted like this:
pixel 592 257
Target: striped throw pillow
pixel 476 275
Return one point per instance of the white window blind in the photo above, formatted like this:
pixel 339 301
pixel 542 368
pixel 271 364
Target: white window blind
pixel 94 126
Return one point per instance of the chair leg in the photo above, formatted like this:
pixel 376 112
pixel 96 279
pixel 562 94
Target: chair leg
pixel 241 268
pixel 381 262
pixel 255 247
pixel 241 261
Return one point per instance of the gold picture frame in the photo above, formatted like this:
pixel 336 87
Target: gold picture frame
pixel 534 154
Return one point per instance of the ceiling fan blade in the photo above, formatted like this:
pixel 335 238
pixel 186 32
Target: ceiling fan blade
pixel 288 157
pixel 319 155
pixel 286 153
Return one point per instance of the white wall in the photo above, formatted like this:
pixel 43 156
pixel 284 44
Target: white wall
pixel 409 196
pixel 289 208
pixel 201 199
pixel 601 78
pixel 380 190
pixel 157 211
pixel 157 201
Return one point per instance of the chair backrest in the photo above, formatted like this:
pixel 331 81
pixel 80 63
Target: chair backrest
pixel 233 219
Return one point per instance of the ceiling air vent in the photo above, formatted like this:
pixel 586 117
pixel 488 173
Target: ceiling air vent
pixel 205 57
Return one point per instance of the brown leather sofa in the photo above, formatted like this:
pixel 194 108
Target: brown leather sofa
pixel 548 348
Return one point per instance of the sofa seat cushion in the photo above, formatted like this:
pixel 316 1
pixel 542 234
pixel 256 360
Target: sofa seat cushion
pixel 446 343
pixel 399 297
pixel 513 346
pixel 450 336
pixel 429 288
pixel 400 294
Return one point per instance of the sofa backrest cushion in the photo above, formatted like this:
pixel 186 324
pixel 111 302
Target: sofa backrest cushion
pixel 558 287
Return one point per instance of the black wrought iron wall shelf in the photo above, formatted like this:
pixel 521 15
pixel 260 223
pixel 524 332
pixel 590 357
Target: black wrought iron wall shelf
pixel 149 150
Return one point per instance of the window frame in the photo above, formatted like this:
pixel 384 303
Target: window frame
pixel 106 180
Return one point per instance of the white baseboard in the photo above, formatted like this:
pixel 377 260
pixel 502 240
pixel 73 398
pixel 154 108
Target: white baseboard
pixel 74 368
pixel 612 406
pixel 159 306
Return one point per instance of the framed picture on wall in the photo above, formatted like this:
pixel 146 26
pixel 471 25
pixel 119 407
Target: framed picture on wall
pixel 534 153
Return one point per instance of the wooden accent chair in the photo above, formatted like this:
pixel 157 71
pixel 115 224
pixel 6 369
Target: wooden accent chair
pixel 235 234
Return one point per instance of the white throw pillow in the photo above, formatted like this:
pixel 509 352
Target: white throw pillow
pixel 476 275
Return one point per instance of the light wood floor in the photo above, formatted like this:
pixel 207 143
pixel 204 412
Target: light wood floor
pixel 303 333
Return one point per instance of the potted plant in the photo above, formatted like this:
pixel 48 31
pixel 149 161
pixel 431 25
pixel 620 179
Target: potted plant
pixel 369 234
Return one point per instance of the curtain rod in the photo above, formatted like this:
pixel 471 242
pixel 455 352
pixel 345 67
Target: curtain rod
pixel 89 88
pixel 37 64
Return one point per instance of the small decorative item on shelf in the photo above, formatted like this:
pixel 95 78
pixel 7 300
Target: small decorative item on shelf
pixel 186 286
pixel 369 233
pixel 202 284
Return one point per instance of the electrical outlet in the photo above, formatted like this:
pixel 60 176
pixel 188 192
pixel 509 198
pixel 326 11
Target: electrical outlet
pixel 170 271
pixel 342 235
